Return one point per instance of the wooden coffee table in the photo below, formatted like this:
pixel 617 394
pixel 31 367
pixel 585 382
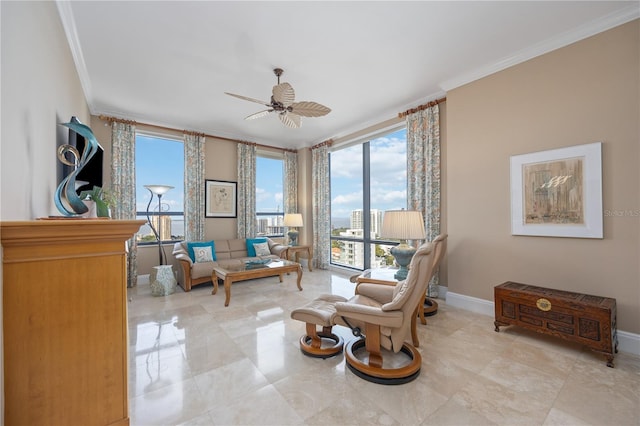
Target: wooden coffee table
pixel 231 273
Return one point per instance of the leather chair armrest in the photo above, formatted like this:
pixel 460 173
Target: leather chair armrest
pixel 370 314
pixel 381 293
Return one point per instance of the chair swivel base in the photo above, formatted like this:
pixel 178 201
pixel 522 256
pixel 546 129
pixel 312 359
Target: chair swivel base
pixel 307 348
pixel 430 307
pixel 380 375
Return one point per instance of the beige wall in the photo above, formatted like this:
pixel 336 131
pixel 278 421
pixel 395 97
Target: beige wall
pixel 586 92
pixel 40 88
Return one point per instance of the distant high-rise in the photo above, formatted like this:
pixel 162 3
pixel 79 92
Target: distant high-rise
pixel 355 221
pixel 165 229
pixel 375 221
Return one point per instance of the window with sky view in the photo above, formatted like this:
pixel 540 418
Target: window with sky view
pixel 160 161
pixel 386 186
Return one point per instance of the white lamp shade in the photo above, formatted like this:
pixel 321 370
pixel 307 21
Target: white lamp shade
pixel 158 189
pixel 293 220
pixel 403 225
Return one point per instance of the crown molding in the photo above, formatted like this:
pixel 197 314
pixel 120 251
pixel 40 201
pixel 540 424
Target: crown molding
pixel 597 26
pixel 69 25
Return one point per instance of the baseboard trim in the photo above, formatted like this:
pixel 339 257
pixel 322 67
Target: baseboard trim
pixel 627 342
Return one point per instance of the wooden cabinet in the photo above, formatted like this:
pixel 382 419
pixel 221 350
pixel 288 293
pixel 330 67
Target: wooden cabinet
pixel 65 321
pixel 582 318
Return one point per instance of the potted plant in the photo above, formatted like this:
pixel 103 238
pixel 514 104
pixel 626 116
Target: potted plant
pixel 102 197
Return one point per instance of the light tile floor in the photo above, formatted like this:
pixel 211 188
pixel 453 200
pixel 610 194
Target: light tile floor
pixel 195 362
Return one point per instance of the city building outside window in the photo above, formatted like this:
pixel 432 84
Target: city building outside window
pixel 160 161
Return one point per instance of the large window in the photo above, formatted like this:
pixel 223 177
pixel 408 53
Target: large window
pixel 160 161
pixel 269 196
pixel 366 180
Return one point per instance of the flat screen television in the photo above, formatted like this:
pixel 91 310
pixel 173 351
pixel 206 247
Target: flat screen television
pixel 92 171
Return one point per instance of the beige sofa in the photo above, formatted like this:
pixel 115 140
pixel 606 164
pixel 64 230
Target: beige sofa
pixel 226 252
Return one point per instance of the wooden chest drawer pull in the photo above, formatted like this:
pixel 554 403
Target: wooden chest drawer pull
pixel 543 304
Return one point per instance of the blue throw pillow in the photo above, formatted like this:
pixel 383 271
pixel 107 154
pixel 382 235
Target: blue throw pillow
pixel 251 250
pixel 192 255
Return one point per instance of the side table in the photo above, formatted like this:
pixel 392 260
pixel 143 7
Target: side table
pixel 296 250
pixel 162 280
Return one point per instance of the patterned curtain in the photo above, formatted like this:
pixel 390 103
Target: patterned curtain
pixel 194 145
pixel 123 185
pixel 423 173
pixel 290 182
pixel 246 190
pixel 321 196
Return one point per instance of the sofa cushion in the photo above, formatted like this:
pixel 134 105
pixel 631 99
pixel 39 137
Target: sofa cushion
pixel 192 245
pixel 202 254
pixel 251 250
pixel 262 249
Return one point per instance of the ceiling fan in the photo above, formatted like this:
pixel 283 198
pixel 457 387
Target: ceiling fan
pixel 282 102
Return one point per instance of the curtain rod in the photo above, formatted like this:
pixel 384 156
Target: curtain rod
pixel 120 120
pixel 421 107
pixel 328 142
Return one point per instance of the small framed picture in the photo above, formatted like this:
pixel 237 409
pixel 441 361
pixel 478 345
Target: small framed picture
pixel 220 198
pixel 558 193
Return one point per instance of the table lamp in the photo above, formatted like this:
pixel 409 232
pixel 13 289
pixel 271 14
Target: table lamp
pixel 293 221
pixel 403 225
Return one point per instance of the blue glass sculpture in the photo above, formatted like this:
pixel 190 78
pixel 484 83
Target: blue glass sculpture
pixel 67 200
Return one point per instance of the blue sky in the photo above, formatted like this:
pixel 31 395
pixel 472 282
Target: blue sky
pixel 269 185
pixel 388 163
pixel 156 161
pixel 388 175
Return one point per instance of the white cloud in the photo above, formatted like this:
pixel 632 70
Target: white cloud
pixel 348 199
pixel 388 199
pixel 270 201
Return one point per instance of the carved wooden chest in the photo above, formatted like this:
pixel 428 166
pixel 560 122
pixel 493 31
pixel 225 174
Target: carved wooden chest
pixel 589 320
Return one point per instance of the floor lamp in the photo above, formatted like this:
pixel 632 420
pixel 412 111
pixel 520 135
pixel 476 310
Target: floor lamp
pixel 158 190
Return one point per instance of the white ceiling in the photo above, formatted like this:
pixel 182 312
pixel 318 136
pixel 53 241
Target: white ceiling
pixel 169 63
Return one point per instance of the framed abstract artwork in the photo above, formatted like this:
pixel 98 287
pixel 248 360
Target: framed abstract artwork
pixel 558 193
pixel 220 198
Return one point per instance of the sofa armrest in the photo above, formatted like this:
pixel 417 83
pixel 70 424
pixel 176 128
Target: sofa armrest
pixel 184 258
pixel 278 249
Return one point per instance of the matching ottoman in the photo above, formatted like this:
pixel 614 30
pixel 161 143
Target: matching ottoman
pixel 319 312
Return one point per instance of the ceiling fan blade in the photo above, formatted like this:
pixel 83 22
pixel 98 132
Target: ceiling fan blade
pixel 289 119
pixel 248 99
pixel 309 109
pixel 259 114
pixel 284 94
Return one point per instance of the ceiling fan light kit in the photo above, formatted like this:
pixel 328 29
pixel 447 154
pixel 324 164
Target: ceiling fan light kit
pixel 283 102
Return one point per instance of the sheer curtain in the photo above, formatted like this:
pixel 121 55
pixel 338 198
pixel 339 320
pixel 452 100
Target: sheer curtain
pixel 246 190
pixel 321 195
pixel 123 181
pixel 290 182
pixel 423 172
pixel 194 145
